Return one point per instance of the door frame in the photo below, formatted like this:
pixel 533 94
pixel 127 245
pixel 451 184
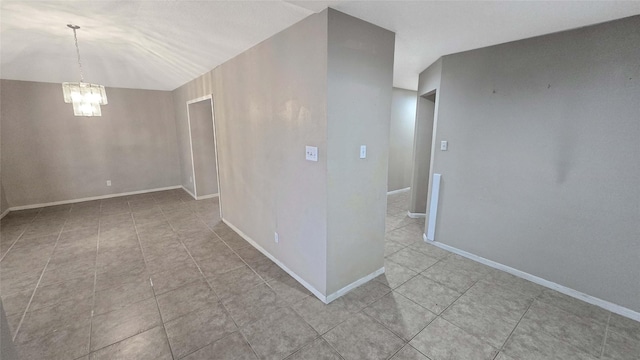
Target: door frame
pixel 215 145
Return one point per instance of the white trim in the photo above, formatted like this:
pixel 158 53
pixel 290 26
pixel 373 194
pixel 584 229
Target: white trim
pixel 416 215
pixel 193 166
pixel 353 285
pixel 325 299
pixel 207 196
pixel 189 192
pixel 201 98
pixel 620 310
pixel 215 146
pixel 393 192
pixel 433 208
pixel 5 213
pixel 108 196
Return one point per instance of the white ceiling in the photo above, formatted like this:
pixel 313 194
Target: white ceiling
pixel 163 44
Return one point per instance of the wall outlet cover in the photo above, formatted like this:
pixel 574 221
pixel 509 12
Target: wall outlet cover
pixel 311 153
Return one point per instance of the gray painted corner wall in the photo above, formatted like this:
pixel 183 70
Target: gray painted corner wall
pixel 273 100
pixel 544 160
pixel 360 76
pixel 401 132
pixel 50 155
pixel 269 102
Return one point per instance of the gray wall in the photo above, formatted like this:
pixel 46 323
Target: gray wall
pixel 544 159
pixel 360 79
pixel 403 118
pixel 50 155
pixel 204 151
pixel 270 102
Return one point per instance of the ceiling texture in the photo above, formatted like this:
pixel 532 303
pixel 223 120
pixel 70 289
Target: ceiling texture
pixel 161 45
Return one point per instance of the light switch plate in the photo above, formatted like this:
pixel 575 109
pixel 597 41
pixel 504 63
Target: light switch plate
pixel 311 153
pixel 363 151
pixel 444 145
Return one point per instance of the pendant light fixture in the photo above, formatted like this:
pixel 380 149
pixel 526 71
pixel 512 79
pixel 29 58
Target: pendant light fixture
pixel 86 98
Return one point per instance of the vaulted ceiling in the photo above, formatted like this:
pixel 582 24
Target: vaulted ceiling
pixel 163 44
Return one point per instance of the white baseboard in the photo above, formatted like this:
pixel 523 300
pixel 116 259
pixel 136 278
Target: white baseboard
pixel 308 286
pixel 353 285
pixel 416 215
pixel 614 308
pixel 325 299
pixel 4 213
pixel 207 196
pixel 108 196
pixel 189 192
pixel 392 192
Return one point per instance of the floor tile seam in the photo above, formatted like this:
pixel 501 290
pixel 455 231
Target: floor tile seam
pixel 567 342
pixel 405 342
pixel 606 335
pixel 24 314
pixel 308 323
pixel 578 318
pixel 392 331
pixel 439 315
pixel 95 278
pixel 119 341
pixel 13 243
pixel 445 285
pixel 246 338
pixel 194 261
pixel 191 282
pixel 403 296
pixel 481 340
pixel 241 259
pixel 320 336
pixel 508 289
pixel 502 348
pixel 155 298
pixel 582 319
pixel 219 298
pixel 575 348
pixel 492 306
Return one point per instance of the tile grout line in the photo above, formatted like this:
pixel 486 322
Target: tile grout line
pixel 209 284
pixel 150 280
pixel 15 335
pixel 517 324
pixel 21 234
pixel 95 275
pixel 606 335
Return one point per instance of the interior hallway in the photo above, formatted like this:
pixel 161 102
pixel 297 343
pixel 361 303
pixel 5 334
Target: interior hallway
pixel 158 276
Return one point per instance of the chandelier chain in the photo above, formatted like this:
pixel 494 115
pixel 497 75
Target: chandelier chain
pixel 78 52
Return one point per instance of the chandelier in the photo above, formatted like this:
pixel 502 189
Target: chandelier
pixel 86 98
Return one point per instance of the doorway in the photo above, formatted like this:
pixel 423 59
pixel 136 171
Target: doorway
pixel 204 155
pixel 422 154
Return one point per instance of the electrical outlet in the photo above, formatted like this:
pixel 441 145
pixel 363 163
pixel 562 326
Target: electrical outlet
pixel 311 153
pixel 276 238
pixel 108 182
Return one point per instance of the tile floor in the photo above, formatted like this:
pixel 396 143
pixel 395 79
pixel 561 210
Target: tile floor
pixel 157 276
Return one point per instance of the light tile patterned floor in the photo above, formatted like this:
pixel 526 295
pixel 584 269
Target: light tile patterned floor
pixel 157 276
